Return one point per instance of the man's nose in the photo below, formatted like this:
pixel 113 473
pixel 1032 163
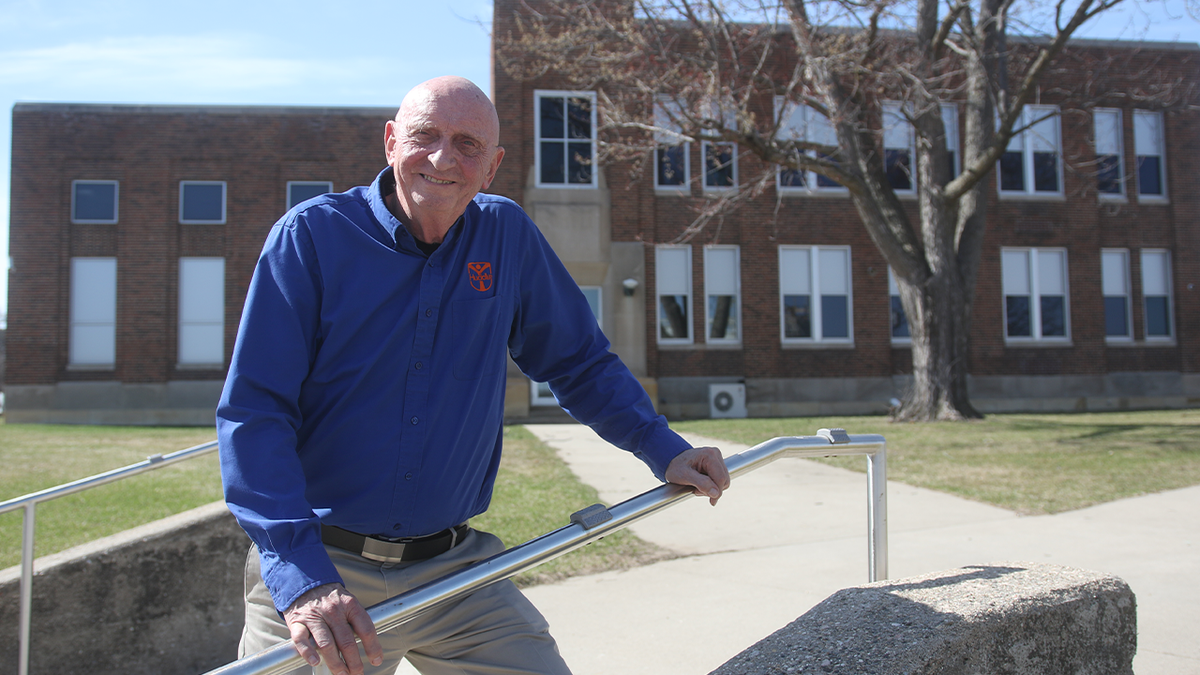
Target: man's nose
pixel 443 155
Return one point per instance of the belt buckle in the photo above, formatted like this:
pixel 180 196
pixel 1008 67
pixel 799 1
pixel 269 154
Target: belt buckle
pixel 383 551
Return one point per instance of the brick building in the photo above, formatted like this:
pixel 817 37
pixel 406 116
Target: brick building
pixel 134 231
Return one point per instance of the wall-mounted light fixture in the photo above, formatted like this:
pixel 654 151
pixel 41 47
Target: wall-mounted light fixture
pixel 630 286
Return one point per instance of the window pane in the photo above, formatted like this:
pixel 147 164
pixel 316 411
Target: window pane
pixel 899 320
pixel 671 167
pixel 579 118
pixel 1108 132
pixel 1149 176
pixel 552 118
pixel 1116 319
pixel 1012 171
pixel 722 312
pixel 95 202
pixel 93 335
pixel 672 316
pixel 672 270
pixel 553 162
pixel 202 202
pixel 1108 174
pixel 299 192
pixel 791 178
pixel 1045 172
pixel 1158 316
pixel 797 320
pixel 1054 316
pixel 795 272
pixel 898 165
pixel 718 165
pixel 835 319
pixel 1017 316
pixel 579 162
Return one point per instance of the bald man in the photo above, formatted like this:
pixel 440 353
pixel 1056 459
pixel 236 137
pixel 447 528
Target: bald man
pixel 361 421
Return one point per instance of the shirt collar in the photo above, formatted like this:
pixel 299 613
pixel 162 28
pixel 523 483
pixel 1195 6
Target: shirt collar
pixel 385 183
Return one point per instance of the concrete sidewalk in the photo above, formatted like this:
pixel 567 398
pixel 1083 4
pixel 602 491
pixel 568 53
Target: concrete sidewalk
pixel 792 533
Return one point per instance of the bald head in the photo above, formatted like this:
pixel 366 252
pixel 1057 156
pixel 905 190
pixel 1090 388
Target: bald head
pixel 443 147
pixel 451 90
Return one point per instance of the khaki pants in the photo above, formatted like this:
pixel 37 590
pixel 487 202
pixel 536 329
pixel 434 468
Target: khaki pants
pixel 493 631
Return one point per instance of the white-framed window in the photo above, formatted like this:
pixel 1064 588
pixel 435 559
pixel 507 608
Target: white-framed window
pixel 202 202
pixel 539 392
pixel 1114 274
pixel 673 281
pixel 201 311
pixel 1110 174
pixel 815 299
pixel 898 150
pixel 900 330
pixel 722 290
pixel 1031 164
pixel 1150 148
pixel 671 156
pixel 93 338
pixel 1035 294
pixel 95 201
pixel 565 128
pixel 1156 294
pixel 302 190
pixel 799 122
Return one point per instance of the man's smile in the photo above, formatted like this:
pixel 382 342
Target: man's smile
pixel 437 181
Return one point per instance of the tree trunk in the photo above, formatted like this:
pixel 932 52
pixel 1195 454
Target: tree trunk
pixel 939 318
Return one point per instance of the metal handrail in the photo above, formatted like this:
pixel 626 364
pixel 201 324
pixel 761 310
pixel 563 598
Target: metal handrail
pixel 30 501
pixel 409 605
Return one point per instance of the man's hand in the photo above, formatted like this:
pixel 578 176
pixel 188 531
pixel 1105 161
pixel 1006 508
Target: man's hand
pixel 323 623
pixel 701 468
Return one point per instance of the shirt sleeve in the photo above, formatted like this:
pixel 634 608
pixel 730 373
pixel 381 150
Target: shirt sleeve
pixel 259 414
pixel 555 339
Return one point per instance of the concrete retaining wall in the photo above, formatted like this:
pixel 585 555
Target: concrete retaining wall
pixel 161 599
pixel 1014 618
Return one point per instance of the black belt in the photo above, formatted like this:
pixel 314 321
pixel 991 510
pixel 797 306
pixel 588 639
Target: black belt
pixel 399 550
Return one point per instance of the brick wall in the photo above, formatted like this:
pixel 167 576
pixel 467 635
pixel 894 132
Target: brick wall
pixel 150 150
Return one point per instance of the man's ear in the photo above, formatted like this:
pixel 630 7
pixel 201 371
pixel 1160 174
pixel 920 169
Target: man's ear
pixel 496 159
pixel 389 140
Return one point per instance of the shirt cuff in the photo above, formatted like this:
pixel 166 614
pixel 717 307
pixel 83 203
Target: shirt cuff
pixel 304 570
pixel 660 447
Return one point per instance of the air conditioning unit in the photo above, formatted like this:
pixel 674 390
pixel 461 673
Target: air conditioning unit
pixel 727 400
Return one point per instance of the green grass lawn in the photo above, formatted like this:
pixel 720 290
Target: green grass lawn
pixel 1028 463
pixel 535 492
pixel 1031 464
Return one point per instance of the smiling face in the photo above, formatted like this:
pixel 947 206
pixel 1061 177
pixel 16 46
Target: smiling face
pixel 443 150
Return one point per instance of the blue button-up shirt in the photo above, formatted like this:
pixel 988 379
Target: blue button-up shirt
pixel 366 388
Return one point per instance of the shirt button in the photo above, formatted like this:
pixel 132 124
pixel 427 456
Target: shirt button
pixel 419 365
pixel 408 476
pixel 414 420
pixel 397 526
pixel 429 312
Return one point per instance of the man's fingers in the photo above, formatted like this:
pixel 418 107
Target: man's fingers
pixel 703 469
pixel 323 623
pixel 304 644
pixel 361 622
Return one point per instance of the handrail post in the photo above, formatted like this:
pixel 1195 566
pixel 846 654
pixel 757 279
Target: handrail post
pixel 877 514
pixel 26 615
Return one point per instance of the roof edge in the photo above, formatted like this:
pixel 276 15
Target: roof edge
pixel 154 109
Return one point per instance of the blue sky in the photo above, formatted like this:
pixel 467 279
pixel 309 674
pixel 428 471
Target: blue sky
pixel 363 53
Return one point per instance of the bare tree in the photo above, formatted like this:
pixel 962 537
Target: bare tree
pixel 700 70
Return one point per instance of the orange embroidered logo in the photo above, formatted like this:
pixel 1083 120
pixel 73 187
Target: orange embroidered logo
pixel 481 275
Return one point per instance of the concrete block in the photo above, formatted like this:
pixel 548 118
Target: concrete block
pixel 161 599
pixel 1014 618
